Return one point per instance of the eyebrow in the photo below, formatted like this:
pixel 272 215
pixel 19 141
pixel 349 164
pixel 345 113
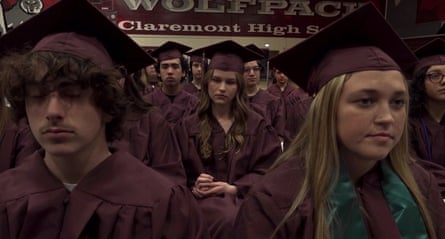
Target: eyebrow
pixel 374 92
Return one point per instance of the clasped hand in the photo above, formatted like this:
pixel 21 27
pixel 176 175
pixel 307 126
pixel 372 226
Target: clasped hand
pixel 206 187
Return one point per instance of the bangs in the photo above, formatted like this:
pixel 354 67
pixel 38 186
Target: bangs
pixel 52 70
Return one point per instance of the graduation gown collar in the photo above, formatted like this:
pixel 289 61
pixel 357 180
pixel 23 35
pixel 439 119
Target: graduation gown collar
pixel 346 218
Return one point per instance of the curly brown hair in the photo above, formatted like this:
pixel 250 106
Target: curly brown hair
pixel 51 71
pixel 235 138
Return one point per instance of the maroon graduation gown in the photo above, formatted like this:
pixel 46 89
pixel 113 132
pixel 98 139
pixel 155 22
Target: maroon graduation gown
pixel 148 89
pixel 184 104
pixel 437 170
pixel 241 168
pixel 272 109
pixel 149 138
pixel 270 199
pixel 436 136
pixel 191 89
pixel 16 143
pixel 296 104
pixel 119 198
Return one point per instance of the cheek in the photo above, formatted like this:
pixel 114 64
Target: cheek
pixel 429 89
pixel 399 120
pixel 346 128
pixel 33 110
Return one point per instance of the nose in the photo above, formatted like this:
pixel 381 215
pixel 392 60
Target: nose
pixel 55 107
pixel 170 70
pixel 385 114
pixel 222 86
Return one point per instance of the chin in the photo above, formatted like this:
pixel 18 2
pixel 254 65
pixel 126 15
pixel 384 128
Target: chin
pixel 377 156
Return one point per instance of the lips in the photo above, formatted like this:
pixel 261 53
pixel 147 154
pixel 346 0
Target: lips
pixel 220 96
pixel 382 135
pixel 55 130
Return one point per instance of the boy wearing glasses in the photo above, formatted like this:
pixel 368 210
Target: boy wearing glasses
pixel 261 101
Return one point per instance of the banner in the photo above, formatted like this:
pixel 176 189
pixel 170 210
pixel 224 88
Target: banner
pixel 257 18
pixel 261 18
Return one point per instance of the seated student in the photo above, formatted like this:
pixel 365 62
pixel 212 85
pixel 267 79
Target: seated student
pixel 197 68
pixel 261 101
pixel 147 79
pixel 77 187
pixel 148 137
pixel 427 109
pixel 428 103
pixel 348 173
pixel 16 139
pixel 173 102
pixel 296 101
pixel 225 146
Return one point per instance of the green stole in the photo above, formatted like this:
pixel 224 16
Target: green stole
pixel 346 220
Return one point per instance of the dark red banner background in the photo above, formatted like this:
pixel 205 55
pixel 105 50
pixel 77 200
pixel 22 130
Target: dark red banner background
pixel 226 18
pixel 257 18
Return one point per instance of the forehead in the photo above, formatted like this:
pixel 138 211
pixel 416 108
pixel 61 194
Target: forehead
pixel 376 81
pixel 251 63
pixel 224 74
pixel 436 68
pixel 171 61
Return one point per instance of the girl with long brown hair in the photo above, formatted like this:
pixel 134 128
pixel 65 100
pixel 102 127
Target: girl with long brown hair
pixel 225 146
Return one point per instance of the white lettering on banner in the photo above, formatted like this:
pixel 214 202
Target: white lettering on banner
pixel 266 7
pixel 255 28
pixel 174 6
pixel 275 30
pixel 128 25
pixel 301 6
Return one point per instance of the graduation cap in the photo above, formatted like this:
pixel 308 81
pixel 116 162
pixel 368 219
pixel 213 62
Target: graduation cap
pixel 227 56
pixel 196 56
pixel 170 50
pixel 431 53
pixel 361 40
pixel 256 49
pixel 78 28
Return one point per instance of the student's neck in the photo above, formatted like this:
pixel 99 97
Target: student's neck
pixel 71 169
pixel 252 90
pixel 436 109
pixel 171 90
pixel 222 111
pixel 282 86
pixel 224 116
pixel 358 167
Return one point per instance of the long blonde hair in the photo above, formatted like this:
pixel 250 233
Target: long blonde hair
pixel 235 138
pixel 317 144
